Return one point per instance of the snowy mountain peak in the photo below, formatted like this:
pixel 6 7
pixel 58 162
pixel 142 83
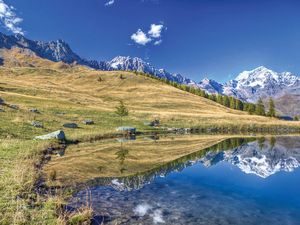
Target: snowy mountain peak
pixel 130 63
pixel 258 77
pixel 205 80
pixel 210 86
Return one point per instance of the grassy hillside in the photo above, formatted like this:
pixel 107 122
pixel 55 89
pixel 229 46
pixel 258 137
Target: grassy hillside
pixel 64 93
pixel 70 93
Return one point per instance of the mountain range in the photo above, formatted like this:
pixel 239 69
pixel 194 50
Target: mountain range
pixel 248 86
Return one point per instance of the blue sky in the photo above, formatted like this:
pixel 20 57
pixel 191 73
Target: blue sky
pixel 198 38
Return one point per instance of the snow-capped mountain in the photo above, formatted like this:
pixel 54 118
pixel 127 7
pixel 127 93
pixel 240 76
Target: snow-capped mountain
pixel 137 64
pixel 250 85
pixel 261 82
pixel 210 86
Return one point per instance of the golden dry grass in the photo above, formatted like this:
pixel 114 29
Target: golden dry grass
pixel 52 85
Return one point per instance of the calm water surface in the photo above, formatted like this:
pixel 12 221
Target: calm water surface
pixel 240 181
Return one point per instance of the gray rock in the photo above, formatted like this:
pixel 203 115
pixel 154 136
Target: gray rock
pixel 148 124
pixel 131 130
pixel 34 110
pixel 37 124
pixel 1 101
pixel 153 123
pixel 60 135
pixel 60 113
pixel 88 122
pixel 70 125
pixel 16 107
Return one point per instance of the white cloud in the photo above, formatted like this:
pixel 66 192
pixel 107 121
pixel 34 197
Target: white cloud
pixel 9 19
pixel 140 37
pixel 153 35
pixel 110 2
pixel 155 30
pixel 158 42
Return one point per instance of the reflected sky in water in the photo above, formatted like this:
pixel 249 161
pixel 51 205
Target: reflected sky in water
pixel 235 182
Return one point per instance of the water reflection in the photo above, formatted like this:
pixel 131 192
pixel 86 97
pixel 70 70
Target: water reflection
pixel 210 186
pixel 261 156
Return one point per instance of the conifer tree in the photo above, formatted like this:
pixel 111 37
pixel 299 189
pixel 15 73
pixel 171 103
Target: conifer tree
pixel 220 99
pixel 260 108
pixel 226 101
pixel 238 104
pixel 231 103
pixel 122 111
pixel 272 112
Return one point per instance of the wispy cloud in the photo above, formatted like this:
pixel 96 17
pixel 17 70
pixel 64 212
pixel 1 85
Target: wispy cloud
pixel 153 35
pixel 158 42
pixel 140 37
pixel 110 2
pixel 9 19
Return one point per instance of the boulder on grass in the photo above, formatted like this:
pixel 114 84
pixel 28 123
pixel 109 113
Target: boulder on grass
pixel 16 107
pixel 153 123
pixel 70 125
pixel 37 124
pixel 131 130
pixel 88 122
pixel 34 110
pixel 60 135
pixel 147 123
pixel 1 101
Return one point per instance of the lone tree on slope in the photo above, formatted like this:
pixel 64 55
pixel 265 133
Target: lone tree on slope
pixel 122 111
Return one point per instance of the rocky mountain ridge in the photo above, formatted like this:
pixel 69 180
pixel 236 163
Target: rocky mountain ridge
pixel 248 86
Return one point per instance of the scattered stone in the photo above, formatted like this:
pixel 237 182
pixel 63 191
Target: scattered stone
pixel 37 124
pixel 88 122
pixel 16 107
pixel 70 125
pixel 153 123
pixel 131 130
pixel 60 135
pixel 1 101
pixel 60 113
pixel 34 110
pixel 60 153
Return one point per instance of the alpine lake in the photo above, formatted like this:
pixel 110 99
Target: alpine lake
pixel 185 179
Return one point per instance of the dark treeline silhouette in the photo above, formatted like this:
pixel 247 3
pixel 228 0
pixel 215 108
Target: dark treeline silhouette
pixel 229 102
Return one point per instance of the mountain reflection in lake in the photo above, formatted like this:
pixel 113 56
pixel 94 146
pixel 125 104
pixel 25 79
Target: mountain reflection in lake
pixel 237 181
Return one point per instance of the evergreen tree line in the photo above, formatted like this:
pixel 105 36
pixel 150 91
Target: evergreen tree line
pixel 230 102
